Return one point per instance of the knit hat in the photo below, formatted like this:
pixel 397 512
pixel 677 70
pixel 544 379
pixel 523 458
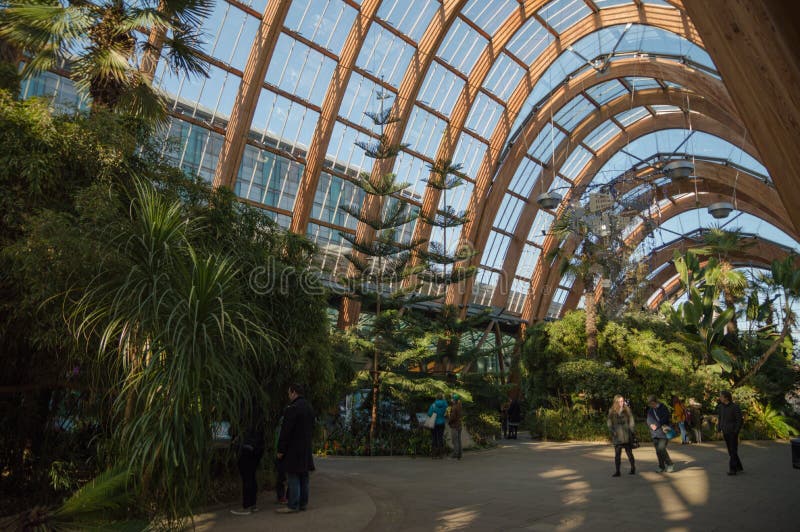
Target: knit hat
pixel 456 397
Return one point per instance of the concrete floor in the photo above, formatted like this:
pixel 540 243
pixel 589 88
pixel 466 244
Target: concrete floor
pixel 526 485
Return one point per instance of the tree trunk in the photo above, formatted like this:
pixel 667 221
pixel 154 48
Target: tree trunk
pixel 733 326
pixel 373 420
pixel 761 361
pixel 591 319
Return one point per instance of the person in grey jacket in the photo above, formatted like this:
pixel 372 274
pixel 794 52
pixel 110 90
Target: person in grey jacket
pixel 730 423
pixel 620 423
pixel 657 418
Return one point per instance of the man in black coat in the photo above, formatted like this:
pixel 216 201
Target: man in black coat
pixel 730 423
pixel 294 448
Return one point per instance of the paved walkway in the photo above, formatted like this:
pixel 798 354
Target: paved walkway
pixel 540 486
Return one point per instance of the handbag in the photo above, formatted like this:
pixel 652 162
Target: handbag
pixel 669 432
pixel 634 440
pixel 430 422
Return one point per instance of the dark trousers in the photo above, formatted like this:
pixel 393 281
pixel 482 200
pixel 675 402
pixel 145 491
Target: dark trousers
pixel 248 465
pixel 298 490
pixel 280 481
pixel 732 442
pixel 437 441
pixel 512 430
pixel 661 452
pixel 618 455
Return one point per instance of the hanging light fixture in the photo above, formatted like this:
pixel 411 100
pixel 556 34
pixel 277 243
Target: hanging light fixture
pixel 548 200
pixel 678 169
pixel 720 209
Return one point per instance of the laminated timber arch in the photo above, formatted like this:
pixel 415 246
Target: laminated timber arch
pixel 671 20
pixel 543 280
pixel 404 103
pixel 580 132
pixel 755 44
pixel 238 128
pixel 755 251
pixel 758 206
pixel 487 203
pixel 667 19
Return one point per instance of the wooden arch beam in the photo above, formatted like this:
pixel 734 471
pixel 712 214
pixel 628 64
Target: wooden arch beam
pixel 695 81
pixel 755 251
pixel 668 19
pixel 755 44
pixel 238 128
pixel 758 207
pixel 327 117
pixel 586 127
pixel 542 275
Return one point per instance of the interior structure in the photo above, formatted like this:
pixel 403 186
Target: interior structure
pixel 532 97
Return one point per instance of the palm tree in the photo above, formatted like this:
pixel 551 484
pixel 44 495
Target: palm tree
pixel 109 47
pixel 731 283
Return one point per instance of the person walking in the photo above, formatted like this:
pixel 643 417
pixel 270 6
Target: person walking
pixel 657 419
pixel 679 416
pixel 438 407
pixel 294 448
pixel 620 422
pixel 455 422
pixel 250 444
pixel 730 423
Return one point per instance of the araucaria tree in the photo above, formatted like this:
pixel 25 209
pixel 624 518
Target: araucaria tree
pixel 380 256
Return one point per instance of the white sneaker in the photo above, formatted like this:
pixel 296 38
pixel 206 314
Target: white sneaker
pixel 243 511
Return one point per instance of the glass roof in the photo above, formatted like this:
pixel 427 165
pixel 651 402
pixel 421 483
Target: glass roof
pixel 460 97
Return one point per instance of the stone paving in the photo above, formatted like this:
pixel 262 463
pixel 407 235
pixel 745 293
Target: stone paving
pixel 542 486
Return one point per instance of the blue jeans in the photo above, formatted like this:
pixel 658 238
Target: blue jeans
pixel 298 490
pixel 684 435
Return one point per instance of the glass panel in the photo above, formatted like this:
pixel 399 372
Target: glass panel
pixel 541 224
pixel 411 17
pixel 561 14
pixel 469 152
pixel 528 260
pixel 461 47
pixel 489 14
pixel 639 84
pixel 484 115
pixel 423 132
pixel 303 72
pixel 605 92
pixel 574 112
pixel 627 118
pixel 503 77
pixel 385 55
pixel 495 250
pixel 508 214
pixel 483 289
pixel 597 138
pixel 325 22
pixel 441 89
pixel 360 96
pixel 529 41
pixel 526 175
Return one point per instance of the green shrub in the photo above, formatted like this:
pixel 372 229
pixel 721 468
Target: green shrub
pixel 484 427
pixel 565 423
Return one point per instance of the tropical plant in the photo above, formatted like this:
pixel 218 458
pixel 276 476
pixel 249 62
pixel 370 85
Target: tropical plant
pixel 786 279
pixel 171 319
pixel 699 320
pixel 110 47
